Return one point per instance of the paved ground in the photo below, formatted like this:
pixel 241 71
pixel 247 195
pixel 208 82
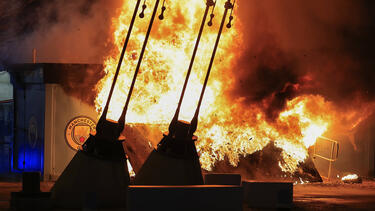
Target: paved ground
pixel 319 196
pixel 335 196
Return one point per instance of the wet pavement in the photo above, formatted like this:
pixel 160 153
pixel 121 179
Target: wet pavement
pixel 335 196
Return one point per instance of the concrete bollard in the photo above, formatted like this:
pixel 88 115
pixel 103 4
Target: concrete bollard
pixel 31 182
pixel 259 194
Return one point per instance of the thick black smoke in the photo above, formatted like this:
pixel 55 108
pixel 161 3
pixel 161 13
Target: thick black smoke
pixel 297 47
pixel 291 47
pixel 60 30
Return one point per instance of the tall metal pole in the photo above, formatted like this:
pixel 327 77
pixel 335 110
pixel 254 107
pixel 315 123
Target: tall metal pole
pixel 104 114
pixel 194 122
pixel 209 3
pixel 121 120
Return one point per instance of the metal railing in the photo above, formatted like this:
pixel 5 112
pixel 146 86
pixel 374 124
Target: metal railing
pixel 334 153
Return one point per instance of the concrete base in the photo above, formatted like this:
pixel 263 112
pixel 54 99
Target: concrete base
pixel 222 179
pixel 195 197
pixel 31 201
pixel 268 194
pixel 89 182
pixel 31 198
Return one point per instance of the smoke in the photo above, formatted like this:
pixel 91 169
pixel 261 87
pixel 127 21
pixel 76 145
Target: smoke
pixel 60 30
pixel 290 47
pixel 297 47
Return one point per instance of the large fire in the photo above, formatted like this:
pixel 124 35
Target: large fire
pixel 226 128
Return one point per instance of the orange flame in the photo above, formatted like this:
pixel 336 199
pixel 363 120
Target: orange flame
pixel 165 64
pixel 226 129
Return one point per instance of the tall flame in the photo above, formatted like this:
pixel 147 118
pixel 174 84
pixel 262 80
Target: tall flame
pixel 165 64
pixel 225 129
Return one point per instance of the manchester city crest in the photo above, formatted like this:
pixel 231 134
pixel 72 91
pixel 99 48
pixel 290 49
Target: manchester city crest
pixel 78 130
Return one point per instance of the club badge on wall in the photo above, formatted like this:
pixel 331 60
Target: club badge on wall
pixel 78 130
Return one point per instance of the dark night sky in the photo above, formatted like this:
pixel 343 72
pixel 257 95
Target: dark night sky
pixel 62 30
pixel 292 47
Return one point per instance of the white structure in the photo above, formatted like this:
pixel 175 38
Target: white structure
pixel 6 88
